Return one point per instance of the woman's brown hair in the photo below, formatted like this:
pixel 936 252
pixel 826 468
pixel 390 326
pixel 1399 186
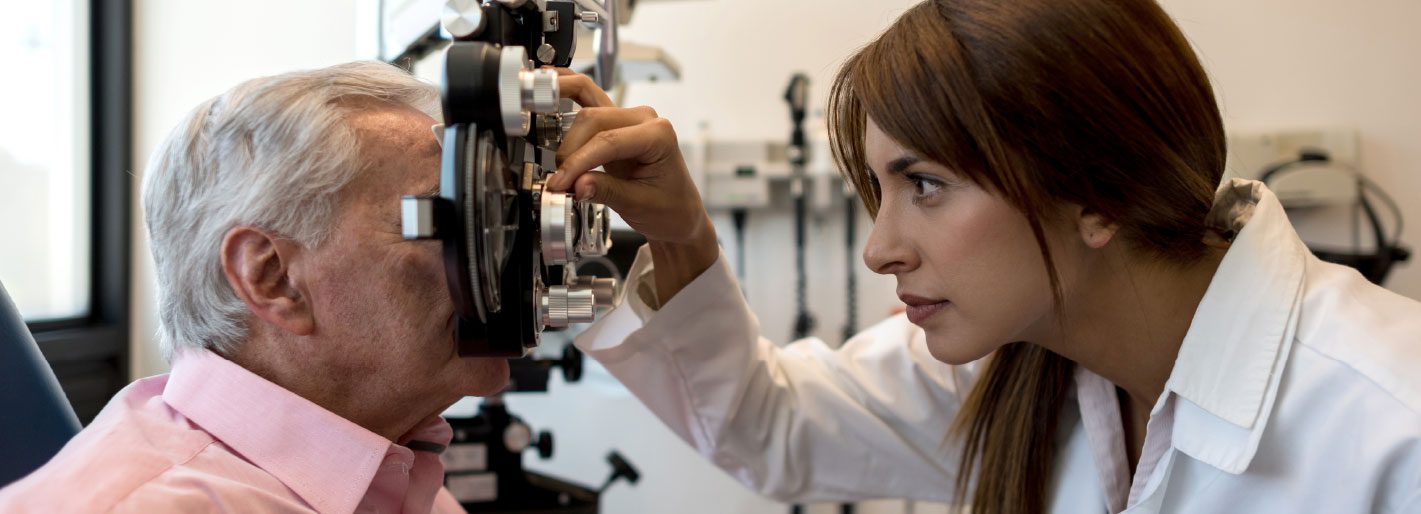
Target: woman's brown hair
pixel 1096 103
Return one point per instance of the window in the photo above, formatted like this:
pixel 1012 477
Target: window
pixel 44 168
pixel 65 188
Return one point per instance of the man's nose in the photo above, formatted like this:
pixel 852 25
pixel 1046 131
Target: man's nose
pixel 887 253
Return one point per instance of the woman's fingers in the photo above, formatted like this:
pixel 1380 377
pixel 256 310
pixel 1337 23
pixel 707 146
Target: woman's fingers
pixel 598 119
pixel 648 142
pixel 582 90
pixel 619 194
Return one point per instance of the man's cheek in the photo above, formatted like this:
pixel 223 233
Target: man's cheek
pixel 421 278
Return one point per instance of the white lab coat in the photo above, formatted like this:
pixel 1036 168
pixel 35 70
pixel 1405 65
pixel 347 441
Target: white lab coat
pixel 1297 389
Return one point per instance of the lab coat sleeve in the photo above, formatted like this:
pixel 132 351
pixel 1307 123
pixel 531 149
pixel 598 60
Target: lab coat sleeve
pixel 800 423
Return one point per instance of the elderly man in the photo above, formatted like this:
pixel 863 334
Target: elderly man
pixel 311 345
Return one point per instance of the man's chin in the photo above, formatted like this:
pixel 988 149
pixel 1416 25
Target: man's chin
pixel 484 376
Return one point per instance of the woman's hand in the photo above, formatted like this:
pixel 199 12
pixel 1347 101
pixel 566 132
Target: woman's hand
pixel 646 181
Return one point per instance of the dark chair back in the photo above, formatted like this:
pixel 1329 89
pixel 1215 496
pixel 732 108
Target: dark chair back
pixel 35 417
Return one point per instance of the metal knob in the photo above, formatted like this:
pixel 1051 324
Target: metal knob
pixel 512 64
pixel 546 53
pixel 555 219
pixel 517 437
pixel 568 118
pixel 604 290
pixel 540 90
pixel 590 17
pixel 568 304
pixel 550 130
pixel 463 18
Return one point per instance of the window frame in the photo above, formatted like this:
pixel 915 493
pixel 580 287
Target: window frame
pixel 90 354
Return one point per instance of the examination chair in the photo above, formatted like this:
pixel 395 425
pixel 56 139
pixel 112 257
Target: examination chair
pixel 35 417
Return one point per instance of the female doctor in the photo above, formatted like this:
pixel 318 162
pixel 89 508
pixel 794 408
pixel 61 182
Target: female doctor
pixel 1093 324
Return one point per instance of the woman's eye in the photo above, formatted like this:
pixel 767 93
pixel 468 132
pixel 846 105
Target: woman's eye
pixel 925 187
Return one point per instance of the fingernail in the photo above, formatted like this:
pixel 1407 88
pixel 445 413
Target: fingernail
pixel 587 193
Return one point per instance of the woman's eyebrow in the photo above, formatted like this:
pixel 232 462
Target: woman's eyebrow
pixel 901 164
pixel 897 166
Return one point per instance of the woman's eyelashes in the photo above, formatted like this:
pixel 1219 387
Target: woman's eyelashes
pixel 925 187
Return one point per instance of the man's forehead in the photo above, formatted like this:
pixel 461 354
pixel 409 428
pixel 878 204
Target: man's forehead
pixel 400 155
pixel 403 129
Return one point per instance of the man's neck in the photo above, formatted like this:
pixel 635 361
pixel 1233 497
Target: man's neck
pixel 354 396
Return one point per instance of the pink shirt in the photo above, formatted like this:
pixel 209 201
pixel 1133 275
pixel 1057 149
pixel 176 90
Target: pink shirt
pixel 214 437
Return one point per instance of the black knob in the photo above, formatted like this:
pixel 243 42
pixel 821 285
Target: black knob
pixel 620 469
pixel 571 363
pixel 545 445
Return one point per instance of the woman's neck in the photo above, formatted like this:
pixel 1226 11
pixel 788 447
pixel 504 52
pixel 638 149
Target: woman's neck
pixel 1126 320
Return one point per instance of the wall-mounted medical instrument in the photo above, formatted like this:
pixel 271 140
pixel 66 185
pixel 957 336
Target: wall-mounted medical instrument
pixel 1374 265
pixel 797 96
pixel 511 246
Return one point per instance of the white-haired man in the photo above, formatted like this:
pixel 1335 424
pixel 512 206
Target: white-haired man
pixel 311 345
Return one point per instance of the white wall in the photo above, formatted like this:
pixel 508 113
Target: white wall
pixel 186 51
pixel 1320 63
pixel 1276 64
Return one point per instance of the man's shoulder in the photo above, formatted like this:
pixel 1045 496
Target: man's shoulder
pixel 136 439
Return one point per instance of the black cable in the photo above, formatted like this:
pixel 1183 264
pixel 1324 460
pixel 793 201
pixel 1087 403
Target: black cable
pixel 1374 267
pixel 804 321
pixel 738 216
pixel 851 307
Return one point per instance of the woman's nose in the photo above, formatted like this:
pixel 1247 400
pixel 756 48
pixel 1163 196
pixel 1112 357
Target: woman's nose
pixel 887 252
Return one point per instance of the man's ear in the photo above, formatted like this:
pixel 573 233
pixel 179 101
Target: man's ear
pixel 1096 230
pixel 258 268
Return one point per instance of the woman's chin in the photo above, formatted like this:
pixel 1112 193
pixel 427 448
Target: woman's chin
pixel 956 351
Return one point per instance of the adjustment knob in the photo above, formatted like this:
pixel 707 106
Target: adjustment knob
pixel 545 445
pixel 463 19
pixel 568 118
pixel 604 290
pixel 565 305
pixel 556 221
pixel 540 90
pixel 550 130
pixel 512 64
pixel 517 437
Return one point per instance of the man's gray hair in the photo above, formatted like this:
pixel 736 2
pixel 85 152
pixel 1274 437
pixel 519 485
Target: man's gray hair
pixel 271 153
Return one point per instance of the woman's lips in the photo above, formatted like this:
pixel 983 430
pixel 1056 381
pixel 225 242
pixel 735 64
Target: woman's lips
pixel 921 313
pixel 921 309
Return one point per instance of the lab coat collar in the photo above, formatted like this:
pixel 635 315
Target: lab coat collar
pixel 1227 372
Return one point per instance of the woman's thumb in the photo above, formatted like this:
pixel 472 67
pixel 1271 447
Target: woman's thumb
pixel 601 188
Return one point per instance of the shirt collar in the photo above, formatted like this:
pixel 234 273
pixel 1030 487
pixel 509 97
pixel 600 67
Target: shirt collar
pixel 327 460
pixel 1231 359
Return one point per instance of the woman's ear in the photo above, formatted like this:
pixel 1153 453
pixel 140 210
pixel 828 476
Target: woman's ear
pixel 258 268
pixel 1095 229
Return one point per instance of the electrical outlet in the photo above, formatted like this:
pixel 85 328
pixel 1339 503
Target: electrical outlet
pixel 1251 152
